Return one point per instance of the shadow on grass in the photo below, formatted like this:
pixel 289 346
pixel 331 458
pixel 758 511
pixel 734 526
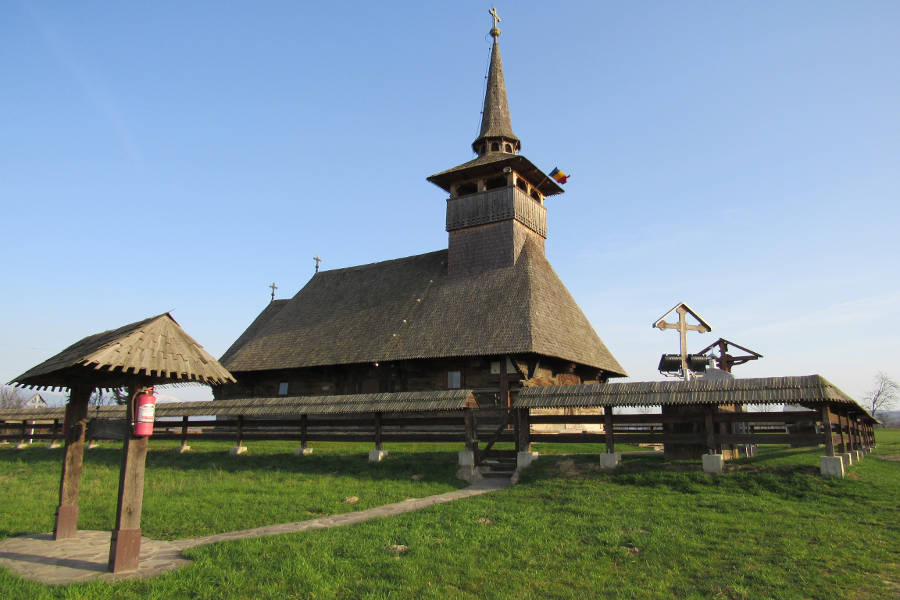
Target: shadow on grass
pixel 399 465
pixel 797 482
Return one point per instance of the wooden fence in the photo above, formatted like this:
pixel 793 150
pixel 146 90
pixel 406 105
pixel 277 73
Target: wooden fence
pixel 479 430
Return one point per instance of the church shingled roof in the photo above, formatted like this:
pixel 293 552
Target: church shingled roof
pixel 409 308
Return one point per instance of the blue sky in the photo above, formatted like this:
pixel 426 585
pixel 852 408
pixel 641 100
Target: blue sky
pixel 741 157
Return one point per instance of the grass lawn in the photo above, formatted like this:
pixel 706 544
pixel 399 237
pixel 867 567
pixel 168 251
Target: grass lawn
pixel 767 528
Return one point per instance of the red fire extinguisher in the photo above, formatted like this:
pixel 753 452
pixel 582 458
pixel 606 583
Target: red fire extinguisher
pixel 145 412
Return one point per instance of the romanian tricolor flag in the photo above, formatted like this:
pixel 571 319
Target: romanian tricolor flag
pixel 559 175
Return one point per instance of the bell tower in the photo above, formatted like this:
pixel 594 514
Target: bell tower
pixel 496 201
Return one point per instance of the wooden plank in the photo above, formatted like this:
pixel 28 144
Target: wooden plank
pixel 74 430
pixel 773 438
pixel 768 417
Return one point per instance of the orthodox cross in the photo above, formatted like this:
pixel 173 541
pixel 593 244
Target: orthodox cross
pixel 683 327
pixel 318 259
pixel 494 16
pixel 273 287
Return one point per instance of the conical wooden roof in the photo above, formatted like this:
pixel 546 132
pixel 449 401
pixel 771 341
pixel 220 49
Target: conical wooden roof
pixel 155 350
pixel 495 119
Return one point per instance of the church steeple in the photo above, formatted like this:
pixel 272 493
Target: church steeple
pixel 496 202
pixel 496 127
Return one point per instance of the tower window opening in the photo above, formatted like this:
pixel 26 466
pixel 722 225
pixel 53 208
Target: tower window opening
pixel 495 147
pixel 283 388
pixel 466 189
pixel 496 182
pixel 535 195
pixel 509 148
pixel 522 185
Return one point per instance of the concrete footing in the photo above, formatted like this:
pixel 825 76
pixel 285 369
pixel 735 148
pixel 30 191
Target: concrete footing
pixel 713 463
pixel 847 458
pixel 21 445
pixel 523 459
pixel 183 448
pixel 610 460
pixel 234 451
pixel 91 445
pixel 303 451
pixel 377 455
pixel 832 466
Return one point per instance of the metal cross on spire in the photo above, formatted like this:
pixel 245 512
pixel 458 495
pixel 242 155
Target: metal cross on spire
pixel 318 259
pixel 495 31
pixel 683 327
pixel 273 288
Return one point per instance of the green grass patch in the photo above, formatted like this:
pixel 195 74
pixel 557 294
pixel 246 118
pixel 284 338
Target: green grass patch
pixel 769 527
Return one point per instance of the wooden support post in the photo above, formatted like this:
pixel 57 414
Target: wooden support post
pixel 710 431
pixel 840 424
pixel 54 434
pixel 184 435
pixel 125 545
pixel 523 433
pixel 303 431
pixel 608 429
pixel 469 422
pixel 73 455
pixel 829 432
pixel 378 431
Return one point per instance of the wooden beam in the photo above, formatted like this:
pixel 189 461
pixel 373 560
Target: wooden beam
pixel 523 426
pixel 829 432
pixel 378 431
pixel 710 431
pixel 73 457
pixel 125 545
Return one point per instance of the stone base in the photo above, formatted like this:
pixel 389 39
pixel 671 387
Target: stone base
pixel 303 451
pixel 183 448
pixel 53 445
pixel 377 455
pixel 713 463
pixel 610 460
pixel 91 445
pixel 832 466
pixel 21 445
pixel 465 458
pixel 523 459
pixel 857 455
pixel 847 458
pixel 237 450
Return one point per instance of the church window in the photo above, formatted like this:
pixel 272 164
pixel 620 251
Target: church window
pixel 283 388
pixel 495 146
pixel 454 380
pixel 496 182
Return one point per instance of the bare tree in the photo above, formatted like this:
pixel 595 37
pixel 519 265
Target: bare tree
pixel 11 397
pixel 883 396
pixel 109 397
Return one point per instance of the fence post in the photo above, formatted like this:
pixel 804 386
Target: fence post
pixel 377 454
pixel 829 432
pixel 240 448
pixel 54 434
pixel 184 435
pixel 608 429
pixel 303 450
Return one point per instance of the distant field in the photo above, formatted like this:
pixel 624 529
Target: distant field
pixel 767 528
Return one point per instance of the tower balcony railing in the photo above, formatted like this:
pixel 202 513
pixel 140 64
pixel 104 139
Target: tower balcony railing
pixel 493 206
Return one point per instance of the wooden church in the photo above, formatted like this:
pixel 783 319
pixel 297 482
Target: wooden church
pixel 488 313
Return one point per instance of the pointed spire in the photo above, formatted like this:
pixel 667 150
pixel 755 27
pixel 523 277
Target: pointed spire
pixel 496 126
